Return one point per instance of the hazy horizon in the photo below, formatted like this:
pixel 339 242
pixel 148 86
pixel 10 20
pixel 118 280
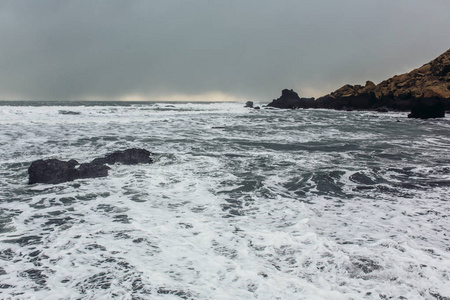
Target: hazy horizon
pixel 208 51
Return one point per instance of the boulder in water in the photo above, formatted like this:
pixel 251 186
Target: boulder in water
pixel 132 156
pixel 57 171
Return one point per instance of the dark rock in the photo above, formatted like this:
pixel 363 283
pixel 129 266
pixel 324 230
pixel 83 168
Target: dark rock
pixel 349 97
pixel 382 109
pixel 56 171
pixel 249 104
pixel 72 163
pixel 401 92
pixel 89 170
pixel 128 157
pixel 428 108
pixel 51 171
pixel 68 112
pixel 290 99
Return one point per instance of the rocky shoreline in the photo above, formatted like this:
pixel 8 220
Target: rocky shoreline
pixel 424 91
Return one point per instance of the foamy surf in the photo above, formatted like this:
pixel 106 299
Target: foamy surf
pixel 240 204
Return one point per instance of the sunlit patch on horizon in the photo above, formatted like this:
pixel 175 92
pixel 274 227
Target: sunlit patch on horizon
pixel 206 97
pixel 10 97
pixel 211 96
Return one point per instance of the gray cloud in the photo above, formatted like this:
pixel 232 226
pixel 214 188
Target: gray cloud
pixel 63 50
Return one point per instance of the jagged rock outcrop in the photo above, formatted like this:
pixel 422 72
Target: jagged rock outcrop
pixel 57 171
pixel 290 99
pixel 427 87
pixel 401 92
pixel 350 97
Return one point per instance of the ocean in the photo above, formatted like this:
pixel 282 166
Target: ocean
pixel 239 204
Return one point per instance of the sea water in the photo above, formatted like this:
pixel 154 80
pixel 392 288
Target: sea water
pixel 239 204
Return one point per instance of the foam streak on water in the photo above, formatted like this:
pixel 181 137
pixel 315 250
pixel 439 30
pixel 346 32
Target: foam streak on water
pixel 269 204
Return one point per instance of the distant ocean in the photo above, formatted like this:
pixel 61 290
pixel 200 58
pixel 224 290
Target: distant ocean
pixel 239 204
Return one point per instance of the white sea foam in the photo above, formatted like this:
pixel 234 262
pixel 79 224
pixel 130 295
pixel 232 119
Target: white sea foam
pixel 240 204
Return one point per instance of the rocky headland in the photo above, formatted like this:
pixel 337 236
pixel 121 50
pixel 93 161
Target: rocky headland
pixel 424 91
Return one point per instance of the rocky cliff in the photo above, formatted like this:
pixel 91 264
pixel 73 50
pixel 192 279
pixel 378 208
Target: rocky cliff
pixel 427 84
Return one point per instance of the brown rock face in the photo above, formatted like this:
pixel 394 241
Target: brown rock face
pixel 431 81
pixel 425 90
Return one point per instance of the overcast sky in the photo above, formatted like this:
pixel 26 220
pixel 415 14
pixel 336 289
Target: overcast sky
pixel 211 50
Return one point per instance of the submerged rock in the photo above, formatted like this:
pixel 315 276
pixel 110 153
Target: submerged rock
pixel 57 171
pixel 383 109
pixel 127 157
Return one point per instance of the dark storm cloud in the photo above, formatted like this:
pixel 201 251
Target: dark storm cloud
pixel 66 50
